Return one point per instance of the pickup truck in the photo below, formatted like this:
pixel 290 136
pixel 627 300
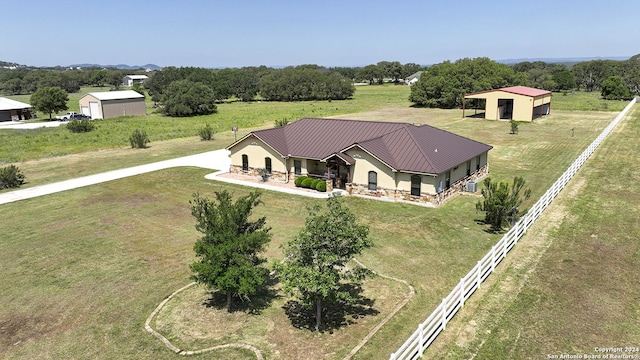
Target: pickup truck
pixel 71 115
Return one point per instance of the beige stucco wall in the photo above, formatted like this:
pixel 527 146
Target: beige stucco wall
pixel 427 183
pixel 257 151
pixel 364 164
pixel 291 167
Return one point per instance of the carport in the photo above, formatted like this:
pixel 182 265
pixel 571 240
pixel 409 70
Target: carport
pixel 512 103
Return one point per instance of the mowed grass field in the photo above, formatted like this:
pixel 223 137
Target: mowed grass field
pixel 571 284
pixel 83 269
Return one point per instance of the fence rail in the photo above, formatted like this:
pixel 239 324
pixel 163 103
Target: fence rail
pixel 428 330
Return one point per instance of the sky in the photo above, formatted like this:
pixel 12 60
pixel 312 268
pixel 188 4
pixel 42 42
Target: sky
pixel 216 34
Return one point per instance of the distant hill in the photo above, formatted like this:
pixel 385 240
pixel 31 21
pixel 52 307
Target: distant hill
pixel 563 60
pixel 119 66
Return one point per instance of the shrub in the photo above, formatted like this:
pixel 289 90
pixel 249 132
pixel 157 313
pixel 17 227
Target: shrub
pixel 11 177
pixel 314 183
pixel 282 122
pixel 80 126
pixel 139 139
pixel 206 133
pixel 298 181
pixel 306 183
pixel 321 186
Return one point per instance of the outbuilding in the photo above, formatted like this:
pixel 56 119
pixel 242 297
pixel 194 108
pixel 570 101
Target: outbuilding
pixel 14 110
pixel 512 103
pixel 108 104
pixel 129 80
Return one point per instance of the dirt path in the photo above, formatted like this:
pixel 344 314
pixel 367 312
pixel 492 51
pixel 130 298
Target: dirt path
pixel 256 351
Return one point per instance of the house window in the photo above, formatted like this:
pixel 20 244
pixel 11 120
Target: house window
pixel 416 181
pixel 245 163
pixel 447 181
pixel 477 163
pixel 373 180
pixel 267 164
pixel 297 167
pixel 468 167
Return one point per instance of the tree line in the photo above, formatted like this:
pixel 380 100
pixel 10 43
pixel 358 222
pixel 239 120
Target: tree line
pixel 444 85
pixel 24 81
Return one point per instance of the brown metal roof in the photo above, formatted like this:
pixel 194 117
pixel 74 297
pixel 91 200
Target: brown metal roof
pixel 402 146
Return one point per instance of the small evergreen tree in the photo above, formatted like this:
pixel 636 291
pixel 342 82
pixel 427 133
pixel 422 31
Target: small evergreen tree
pixel 206 133
pixel 11 177
pixel 139 139
pixel 502 202
pixel 228 252
pixel 514 126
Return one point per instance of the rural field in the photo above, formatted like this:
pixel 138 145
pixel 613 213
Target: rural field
pixel 571 285
pixel 83 269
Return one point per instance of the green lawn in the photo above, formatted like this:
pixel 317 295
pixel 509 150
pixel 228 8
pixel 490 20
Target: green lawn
pixel 24 145
pixel 582 291
pixel 83 269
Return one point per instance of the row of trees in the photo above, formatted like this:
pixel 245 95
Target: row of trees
pixel 444 85
pixel 191 91
pixel 27 81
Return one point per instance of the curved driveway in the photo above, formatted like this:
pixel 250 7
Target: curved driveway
pixel 215 160
pixel 218 159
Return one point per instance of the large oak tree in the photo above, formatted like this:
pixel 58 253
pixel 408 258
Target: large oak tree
pixel 315 265
pixel 50 100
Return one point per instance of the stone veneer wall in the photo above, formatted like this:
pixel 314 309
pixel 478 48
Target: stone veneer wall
pixel 275 175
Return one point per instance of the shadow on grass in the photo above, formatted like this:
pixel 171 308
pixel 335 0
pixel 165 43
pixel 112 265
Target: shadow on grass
pixel 334 315
pixel 260 301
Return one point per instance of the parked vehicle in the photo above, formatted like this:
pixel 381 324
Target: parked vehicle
pixel 66 116
pixel 72 115
pixel 79 117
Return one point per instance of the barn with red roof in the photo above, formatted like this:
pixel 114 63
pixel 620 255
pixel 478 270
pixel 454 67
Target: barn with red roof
pixel 511 103
pixel 392 160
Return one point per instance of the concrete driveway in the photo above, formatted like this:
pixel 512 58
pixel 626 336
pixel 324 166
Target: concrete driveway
pixel 218 160
pixel 30 125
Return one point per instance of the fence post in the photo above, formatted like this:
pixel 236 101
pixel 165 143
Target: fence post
pixel 493 258
pixel 444 313
pixel 420 339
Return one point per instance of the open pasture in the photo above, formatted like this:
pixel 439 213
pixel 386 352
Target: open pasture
pixel 83 269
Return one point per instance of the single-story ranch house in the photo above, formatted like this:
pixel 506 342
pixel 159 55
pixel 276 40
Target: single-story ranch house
pixel 398 161
pixel 108 104
pixel 516 102
pixel 14 110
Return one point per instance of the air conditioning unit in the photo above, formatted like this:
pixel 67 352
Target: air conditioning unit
pixel 472 186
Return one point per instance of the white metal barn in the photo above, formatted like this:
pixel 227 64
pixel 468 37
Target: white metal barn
pixel 129 80
pixel 108 104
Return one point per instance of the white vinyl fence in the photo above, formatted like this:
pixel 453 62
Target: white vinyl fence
pixel 428 330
